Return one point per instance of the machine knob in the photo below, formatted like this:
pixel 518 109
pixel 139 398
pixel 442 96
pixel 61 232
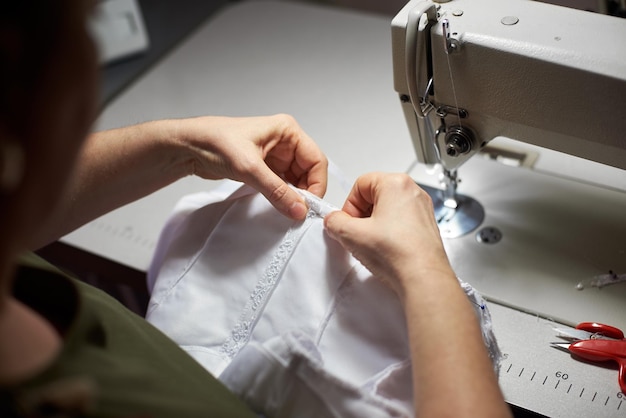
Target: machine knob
pixel 459 141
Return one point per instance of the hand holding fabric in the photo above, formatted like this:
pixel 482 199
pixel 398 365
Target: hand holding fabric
pixel 119 166
pixel 264 152
pixel 387 222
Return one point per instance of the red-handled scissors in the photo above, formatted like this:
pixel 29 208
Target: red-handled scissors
pixel 596 342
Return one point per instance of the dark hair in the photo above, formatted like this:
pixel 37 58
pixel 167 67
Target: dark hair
pixel 29 31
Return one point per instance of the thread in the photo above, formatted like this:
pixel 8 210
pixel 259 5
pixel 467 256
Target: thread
pixel 481 305
pixel 456 102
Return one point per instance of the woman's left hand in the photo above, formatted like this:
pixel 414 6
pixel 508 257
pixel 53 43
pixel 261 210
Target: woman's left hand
pixel 263 152
pixel 119 166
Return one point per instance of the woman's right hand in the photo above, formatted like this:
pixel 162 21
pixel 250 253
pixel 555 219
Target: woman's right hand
pixel 388 224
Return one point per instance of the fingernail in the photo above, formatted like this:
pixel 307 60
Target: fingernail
pixel 298 210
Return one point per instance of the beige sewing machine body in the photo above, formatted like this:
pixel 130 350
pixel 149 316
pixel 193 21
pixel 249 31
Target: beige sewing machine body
pixel 545 236
pixel 539 224
pixel 542 74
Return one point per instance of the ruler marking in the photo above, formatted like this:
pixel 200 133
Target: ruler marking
pixel 569 388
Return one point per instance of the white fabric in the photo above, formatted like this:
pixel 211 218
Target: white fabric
pixel 281 312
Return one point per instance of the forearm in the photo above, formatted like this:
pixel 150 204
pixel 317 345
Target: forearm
pixel 453 375
pixel 117 167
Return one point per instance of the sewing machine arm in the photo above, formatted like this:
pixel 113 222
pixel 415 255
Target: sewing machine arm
pixel 467 71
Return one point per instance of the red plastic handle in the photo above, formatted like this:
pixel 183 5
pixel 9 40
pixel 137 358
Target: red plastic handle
pixel 606 330
pixel 622 374
pixel 603 350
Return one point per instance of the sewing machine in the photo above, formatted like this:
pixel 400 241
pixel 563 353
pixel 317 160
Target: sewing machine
pixel 543 236
pixel 469 71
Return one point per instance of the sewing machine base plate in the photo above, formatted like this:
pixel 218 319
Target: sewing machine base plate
pixel 456 222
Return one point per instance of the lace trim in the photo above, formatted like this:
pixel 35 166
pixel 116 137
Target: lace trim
pixel 316 204
pixel 240 334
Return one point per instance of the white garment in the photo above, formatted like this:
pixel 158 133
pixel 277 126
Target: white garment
pixel 280 312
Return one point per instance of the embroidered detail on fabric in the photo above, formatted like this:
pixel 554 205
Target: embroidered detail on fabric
pixel 240 334
pixel 316 204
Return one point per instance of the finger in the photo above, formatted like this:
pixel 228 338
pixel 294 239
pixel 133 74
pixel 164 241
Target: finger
pixel 337 225
pixel 306 167
pixel 362 197
pixel 314 180
pixel 315 165
pixel 309 168
pixel 317 179
pixel 349 231
pixel 279 194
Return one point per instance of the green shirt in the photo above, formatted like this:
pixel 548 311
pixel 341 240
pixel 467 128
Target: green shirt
pixel 133 368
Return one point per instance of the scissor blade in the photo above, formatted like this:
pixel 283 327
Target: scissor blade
pixel 573 334
pixel 561 346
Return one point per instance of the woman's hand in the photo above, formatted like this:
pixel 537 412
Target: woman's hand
pixel 388 223
pixel 119 166
pixel 264 152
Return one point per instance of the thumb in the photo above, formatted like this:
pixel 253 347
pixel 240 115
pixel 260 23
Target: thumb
pixel 341 227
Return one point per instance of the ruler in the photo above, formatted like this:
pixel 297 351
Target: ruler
pixel 548 381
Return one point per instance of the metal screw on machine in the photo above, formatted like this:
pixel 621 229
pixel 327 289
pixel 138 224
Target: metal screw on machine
pixel 489 235
pixel 459 141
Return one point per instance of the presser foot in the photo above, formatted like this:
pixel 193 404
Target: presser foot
pixel 455 222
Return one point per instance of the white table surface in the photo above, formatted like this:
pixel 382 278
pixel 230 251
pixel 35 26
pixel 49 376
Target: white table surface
pixel 331 69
